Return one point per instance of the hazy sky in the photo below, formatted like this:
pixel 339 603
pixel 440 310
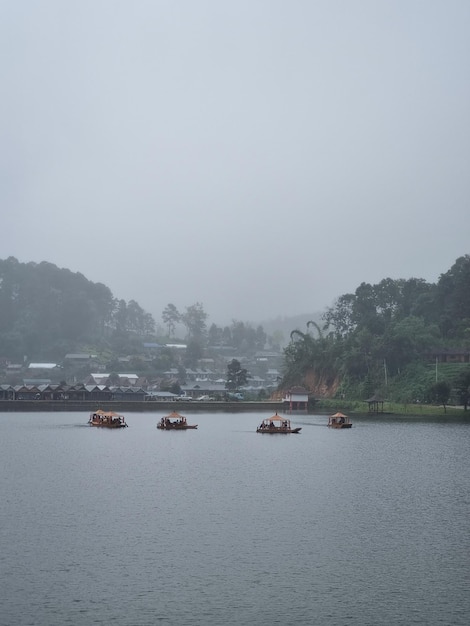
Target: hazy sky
pixel 261 157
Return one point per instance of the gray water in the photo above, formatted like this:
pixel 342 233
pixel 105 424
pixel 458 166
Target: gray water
pixel 224 526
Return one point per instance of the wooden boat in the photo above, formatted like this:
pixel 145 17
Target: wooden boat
pixel 107 419
pixel 339 420
pixel 276 424
pixel 174 421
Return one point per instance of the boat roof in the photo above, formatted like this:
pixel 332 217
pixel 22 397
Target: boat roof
pixel 338 415
pixel 276 418
pixel 107 413
pixel 175 415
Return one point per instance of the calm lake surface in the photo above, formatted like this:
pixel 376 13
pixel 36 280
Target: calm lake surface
pixel 224 526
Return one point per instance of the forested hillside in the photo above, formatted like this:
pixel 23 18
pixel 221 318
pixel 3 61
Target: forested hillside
pixel 385 338
pixel 46 312
pixel 382 337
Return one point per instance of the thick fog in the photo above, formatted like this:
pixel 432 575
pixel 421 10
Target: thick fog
pixel 260 157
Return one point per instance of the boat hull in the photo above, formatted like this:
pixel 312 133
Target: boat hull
pixel 278 431
pixel 107 425
pixel 176 427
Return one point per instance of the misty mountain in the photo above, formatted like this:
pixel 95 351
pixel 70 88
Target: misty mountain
pixel 46 312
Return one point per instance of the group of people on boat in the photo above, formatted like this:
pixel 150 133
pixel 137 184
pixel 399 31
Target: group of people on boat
pixel 284 425
pixel 274 424
pixel 166 422
pixel 341 420
pixel 107 419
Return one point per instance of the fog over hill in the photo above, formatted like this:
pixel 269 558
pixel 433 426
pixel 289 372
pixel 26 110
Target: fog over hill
pixel 260 157
pixel 286 325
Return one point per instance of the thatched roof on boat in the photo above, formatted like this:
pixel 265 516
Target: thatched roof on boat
pixel 106 413
pixel 174 416
pixel 276 418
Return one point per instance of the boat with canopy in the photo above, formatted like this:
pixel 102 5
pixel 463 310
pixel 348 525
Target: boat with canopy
pixel 339 420
pixel 107 419
pixel 277 424
pixel 174 421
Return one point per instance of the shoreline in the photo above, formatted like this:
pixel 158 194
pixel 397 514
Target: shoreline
pixel 182 406
pixel 31 406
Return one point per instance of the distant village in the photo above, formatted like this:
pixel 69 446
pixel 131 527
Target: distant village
pixel 84 377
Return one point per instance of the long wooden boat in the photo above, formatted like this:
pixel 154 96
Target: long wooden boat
pixel 339 420
pixel 277 425
pixel 174 421
pixel 107 419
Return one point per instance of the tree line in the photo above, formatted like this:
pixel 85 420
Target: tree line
pixel 375 339
pixel 239 335
pixel 378 338
pixel 47 312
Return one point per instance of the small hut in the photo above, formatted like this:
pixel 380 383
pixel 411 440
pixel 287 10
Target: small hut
pixel 374 403
pixel 297 398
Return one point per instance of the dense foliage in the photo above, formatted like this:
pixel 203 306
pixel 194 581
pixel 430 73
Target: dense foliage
pixel 242 337
pixel 237 376
pixel 374 335
pixel 46 312
pixel 380 339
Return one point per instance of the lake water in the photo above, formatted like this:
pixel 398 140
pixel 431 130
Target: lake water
pixel 224 526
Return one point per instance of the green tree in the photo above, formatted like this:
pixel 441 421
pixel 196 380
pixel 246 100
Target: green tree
pixel 114 379
pixel 55 311
pixel 260 338
pixel 194 351
pixel 440 393
pixel 453 298
pixel 164 360
pixel 227 336
pixel 308 353
pixel 416 299
pixel 406 340
pixel 195 320
pixel 237 376
pixel 171 316
pixel 340 317
pixel 136 319
pixel 215 335
pixel 276 339
pixel 238 334
pixel 246 339
pixel 120 316
pixel 462 386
